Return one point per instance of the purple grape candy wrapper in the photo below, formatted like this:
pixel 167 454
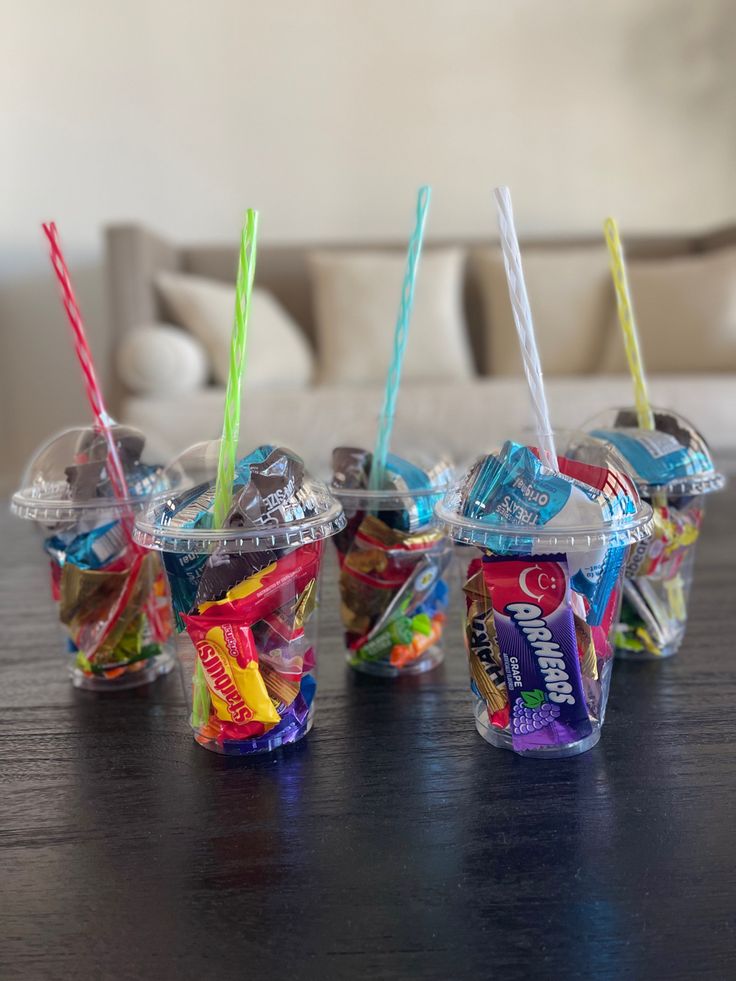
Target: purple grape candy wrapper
pixel 536 635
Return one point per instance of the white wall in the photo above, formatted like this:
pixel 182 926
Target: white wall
pixel 327 114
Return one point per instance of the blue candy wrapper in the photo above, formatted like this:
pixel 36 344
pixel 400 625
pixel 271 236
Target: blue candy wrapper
pixel 515 488
pixel 657 458
pixel 90 550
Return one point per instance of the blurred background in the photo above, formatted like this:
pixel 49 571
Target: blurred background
pixel 164 120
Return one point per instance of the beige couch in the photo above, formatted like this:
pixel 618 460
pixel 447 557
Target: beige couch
pixel 462 416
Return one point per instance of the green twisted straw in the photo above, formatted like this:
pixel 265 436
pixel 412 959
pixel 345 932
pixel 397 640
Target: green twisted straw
pixel 231 423
pixel 401 336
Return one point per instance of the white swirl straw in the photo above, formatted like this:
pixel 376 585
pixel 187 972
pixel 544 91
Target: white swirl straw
pixel 524 325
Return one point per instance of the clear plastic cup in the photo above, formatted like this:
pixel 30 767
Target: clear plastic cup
pixel 112 598
pixel 394 576
pixel 249 654
pixel 673 471
pixel 543 574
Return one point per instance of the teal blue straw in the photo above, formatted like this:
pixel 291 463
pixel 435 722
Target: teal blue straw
pixel 401 335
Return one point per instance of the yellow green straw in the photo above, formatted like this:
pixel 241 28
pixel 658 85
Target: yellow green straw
pixel 238 349
pixel 645 416
pixel 231 423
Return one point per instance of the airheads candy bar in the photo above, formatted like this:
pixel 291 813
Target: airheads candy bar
pixel 536 636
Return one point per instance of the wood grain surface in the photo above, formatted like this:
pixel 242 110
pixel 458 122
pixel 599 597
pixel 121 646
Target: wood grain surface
pixel 391 843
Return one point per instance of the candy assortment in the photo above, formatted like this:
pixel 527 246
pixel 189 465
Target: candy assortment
pixel 673 470
pixel 246 593
pixel 112 598
pixel 542 590
pixel 393 564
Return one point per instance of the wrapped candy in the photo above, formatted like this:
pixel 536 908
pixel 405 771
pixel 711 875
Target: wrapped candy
pixel 393 564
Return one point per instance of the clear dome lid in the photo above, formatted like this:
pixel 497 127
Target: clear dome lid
pixel 68 476
pixel 674 458
pixel 276 504
pixel 509 502
pixel 422 479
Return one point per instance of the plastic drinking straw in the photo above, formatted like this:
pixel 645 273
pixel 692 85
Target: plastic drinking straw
pixel 238 351
pixel 524 325
pixel 86 362
pixel 645 416
pixel 231 422
pixel 401 336
pixel 102 419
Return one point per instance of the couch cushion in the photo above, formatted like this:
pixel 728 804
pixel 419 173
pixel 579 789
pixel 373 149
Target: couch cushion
pixel 161 360
pixel 356 299
pixel 278 352
pixel 685 311
pixel 571 298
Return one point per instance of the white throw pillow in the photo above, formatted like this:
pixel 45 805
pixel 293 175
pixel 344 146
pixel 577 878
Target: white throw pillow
pixel 278 352
pixel 160 360
pixel 356 300
pixel 571 299
pixel 685 310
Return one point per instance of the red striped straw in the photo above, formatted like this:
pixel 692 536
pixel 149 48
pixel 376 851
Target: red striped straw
pixel 103 421
pixel 86 362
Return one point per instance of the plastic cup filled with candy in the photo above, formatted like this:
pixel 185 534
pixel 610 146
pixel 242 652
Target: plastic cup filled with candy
pixel 112 597
pixel 394 563
pixel 542 579
pixel 245 593
pixel 673 470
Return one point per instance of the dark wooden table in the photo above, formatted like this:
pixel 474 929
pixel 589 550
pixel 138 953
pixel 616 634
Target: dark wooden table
pixel 392 843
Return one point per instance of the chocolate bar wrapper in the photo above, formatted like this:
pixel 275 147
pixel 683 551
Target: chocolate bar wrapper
pixel 351 468
pixel 586 648
pixel 272 490
pixel 224 569
pixel 484 657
